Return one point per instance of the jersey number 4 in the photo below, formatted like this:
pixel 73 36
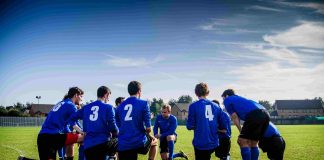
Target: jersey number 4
pixel 94 115
pixel 129 109
pixel 209 112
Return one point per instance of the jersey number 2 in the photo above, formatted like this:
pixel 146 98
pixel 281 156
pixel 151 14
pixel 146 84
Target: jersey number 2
pixel 94 115
pixel 209 113
pixel 129 109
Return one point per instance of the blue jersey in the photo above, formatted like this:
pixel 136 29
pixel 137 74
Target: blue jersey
pixel 132 115
pixel 271 131
pixel 204 117
pixel 167 126
pixel 241 106
pixel 226 124
pixel 98 121
pixel 56 121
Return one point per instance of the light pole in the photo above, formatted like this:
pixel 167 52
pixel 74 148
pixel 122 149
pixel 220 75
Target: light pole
pixel 38 97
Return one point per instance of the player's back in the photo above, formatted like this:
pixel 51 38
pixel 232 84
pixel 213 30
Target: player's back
pixel 56 120
pixel 271 131
pixel 131 117
pixel 98 122
pixel 240 105
pixel 204 117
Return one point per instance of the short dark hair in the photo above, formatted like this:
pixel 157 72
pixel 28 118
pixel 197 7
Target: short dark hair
pixel 65 97
pixel 102 91
pixel 215 101
pixel 201 89
pixel 73 91
pixel 119 100
pixel 228 92
pixel 134 87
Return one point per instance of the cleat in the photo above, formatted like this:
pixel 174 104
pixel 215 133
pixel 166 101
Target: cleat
pixel 183 155
pixel 20 157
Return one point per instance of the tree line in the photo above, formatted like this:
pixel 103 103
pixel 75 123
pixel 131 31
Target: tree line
pixel 21 110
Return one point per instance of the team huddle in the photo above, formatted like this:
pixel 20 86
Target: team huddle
pixel 125 131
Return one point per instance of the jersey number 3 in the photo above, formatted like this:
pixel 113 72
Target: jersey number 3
pixel 129 109
pixel 209 113
pixel 94 115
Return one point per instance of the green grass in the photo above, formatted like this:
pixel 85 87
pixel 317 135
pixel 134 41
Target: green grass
pixel 303 142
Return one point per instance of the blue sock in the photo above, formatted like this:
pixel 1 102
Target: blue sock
pixel 176 155
pixel 254 153
pixel 171 148
pixel 246 153
pixel 61 153
pixel 81 153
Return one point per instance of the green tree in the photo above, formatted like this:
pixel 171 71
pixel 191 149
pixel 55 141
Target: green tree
pixel 3 111
pixel 156 105
pixel 266 104
pixel 14 113
pixel 185 99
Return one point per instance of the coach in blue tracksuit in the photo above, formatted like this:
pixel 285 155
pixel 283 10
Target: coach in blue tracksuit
pixel 51 136
pixel 134 121
pixel 204 117
pixel 273 143
pixel 98 122
pixel 256 120
pixel 167 123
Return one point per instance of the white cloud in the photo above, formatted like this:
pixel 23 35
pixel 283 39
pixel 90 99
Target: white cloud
pixel 307 34
pixel 215 24
pixel 271 81
pixel 128 62
pixel 263 8
pixel 276 53
pixel 318 7
pixel 230 25
pixel 312 51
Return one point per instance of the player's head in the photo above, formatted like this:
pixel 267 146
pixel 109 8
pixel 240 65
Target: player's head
pixel 75 94
pixel 103 93
pixel 228 92
pixel 134 88
pixel 216 101
pixel 166 110
pixel 202 90
pixel 119 100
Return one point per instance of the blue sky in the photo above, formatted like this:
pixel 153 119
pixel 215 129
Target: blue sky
pixel 265 50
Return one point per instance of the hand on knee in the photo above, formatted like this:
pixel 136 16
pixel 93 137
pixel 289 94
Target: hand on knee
pixel 171 138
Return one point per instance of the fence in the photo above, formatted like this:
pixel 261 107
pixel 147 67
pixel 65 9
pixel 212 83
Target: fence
pixel 21 121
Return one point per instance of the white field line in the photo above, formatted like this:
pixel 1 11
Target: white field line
pixel 15 149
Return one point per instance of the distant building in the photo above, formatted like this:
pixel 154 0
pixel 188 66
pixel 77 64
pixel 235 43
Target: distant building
pixel 180 110
pixel 40 110
pixel 298 108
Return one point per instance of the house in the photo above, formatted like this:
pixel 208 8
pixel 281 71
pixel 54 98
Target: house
pixel 40 110
pixel 180 110
pixel 298 108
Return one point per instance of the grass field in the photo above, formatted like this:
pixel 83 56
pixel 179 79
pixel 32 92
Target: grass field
pixel 303 142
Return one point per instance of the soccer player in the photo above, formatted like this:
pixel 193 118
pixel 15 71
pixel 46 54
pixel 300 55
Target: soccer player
pixel 256 120
pixel 168 125
pixel 224 135
pixel 70 148
pixel 204 117
pixel 273 143
pixel 119 100
pixel 133 120
pixel 51 136
pixel 98 122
